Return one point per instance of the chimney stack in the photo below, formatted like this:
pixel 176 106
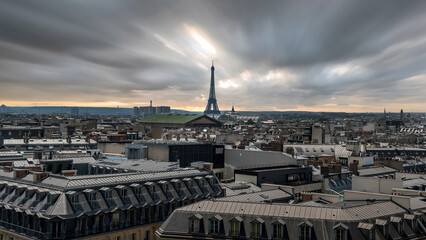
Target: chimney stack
pixel 38 176
pixel 19 173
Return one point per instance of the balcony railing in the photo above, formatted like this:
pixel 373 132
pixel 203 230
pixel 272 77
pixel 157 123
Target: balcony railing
pixel 25 231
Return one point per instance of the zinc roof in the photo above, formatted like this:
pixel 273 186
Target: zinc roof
pixel 358 213
pixel 171 118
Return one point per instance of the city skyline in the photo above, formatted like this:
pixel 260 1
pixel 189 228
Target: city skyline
pixel 327 56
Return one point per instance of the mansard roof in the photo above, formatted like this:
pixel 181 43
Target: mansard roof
pixel 64 183
pixel 68 197
pixel 324 220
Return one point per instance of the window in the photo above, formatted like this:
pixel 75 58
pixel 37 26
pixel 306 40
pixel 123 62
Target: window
pixel 277 231
pixel 132 236
pixel 115 220
pixel 234 228
pixel 147 235
pixel 91 197
pixel 194 225
pixel 305 231
pixel 400 226
pixel 340 234
pixel 256 229
pixel 98 222
pixel 108 195
pixel 74 199
pixel 123 192
pixel 165 187
pixel 341 231
pixel 214 226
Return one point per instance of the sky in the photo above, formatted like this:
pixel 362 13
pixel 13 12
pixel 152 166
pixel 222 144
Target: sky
pixel 324 55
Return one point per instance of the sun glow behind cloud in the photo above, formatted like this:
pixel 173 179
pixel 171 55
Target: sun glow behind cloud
pixel 207 49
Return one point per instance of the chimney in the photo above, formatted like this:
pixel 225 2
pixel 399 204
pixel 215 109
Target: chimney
pixel 69 172
pixel 38 154
pixel 35 168
pixel 6 164
pixel 353 167
pixel 19 173
pixel 38 176
pixel 325 170
pixel 7 168
pixel 306 197
pixel 69 139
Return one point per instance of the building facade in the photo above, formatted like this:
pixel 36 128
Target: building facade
pixel 109 206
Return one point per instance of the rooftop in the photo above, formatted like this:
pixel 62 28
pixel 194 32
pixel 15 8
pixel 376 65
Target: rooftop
pixel 171 118
pixel 137 165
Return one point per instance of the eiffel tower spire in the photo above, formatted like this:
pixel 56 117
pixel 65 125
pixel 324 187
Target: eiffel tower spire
pixel 212 107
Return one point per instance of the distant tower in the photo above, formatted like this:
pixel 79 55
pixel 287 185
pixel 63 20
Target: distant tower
pixel 233 108
pixel 212 107
pixel 385 112
pixel 401 114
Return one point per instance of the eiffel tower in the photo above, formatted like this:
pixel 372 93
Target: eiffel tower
pixel 212 107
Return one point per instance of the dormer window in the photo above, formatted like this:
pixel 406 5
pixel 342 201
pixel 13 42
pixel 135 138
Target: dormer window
pixel 383 226
pixel 235 226
pixel 277 229
pixel 411 219
pixel 398 223
pixel 91 197
pixel 138 192
pixel 214 224
pixel 74 199
pixel 150 187
pixel 305 230
pixel 28 194
pixel 108 195
pixel 123 192
pixel 341 231
pixel 195 223
pixel 367 230
pixel 256 228
pixel 165 187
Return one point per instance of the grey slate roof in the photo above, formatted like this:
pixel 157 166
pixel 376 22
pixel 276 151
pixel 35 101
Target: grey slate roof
pixel 137 165
pixel 51 197
pixel 323 220
pixel 276 195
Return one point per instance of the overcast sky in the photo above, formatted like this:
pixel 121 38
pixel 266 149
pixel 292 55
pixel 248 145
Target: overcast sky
pixel 353 56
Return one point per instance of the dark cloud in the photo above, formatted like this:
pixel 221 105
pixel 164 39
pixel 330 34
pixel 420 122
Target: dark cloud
pixel 269 55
